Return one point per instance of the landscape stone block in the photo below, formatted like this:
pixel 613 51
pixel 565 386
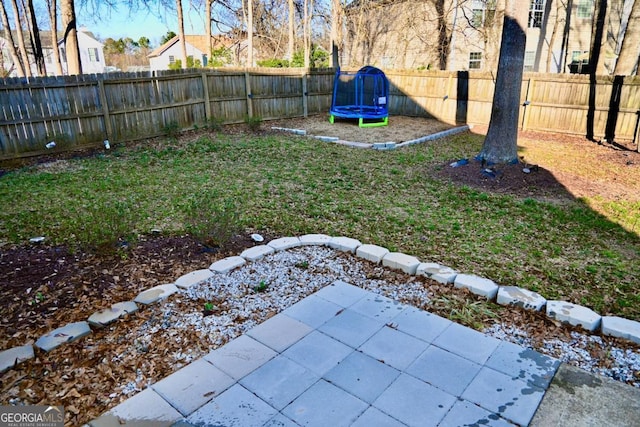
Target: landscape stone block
pixel 156 293
pixel 62 335
pixel 225 265
pixel 187 280
pixel 621 328
pixel 284 243
pixel 476 284
pixel 109 315
pixel 146 408
pixel 399 261
pixel 437 272
pixel 384 145
pixel 524 298
pixel 315 239
pixel 574 314
pixel 373 253
pixel 257 252
pixel 345 244
pixel 13 356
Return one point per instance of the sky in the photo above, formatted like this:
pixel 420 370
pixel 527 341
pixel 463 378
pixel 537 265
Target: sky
pixel 121 23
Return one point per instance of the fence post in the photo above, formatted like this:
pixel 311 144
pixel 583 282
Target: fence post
pixel 105 109
pixel 207 103
pixel 247 85
pixel 529 93
pixel 305 94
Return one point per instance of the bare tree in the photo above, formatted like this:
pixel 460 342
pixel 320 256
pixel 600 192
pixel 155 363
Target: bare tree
pixel 500 144
pixel 183 43
pixel 250 33
pixel 599 14
pixel 34 36
pixel 291 36
pixel 207 23
pixel 20 35
pixel 630 50
pixel 74 65
pixel 15 58
pixel 53 23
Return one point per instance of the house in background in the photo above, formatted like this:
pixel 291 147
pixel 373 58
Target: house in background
pixel 170 52
pixel 91 54
pixel 465 35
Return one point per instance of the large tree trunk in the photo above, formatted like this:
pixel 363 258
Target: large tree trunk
pixel 183 42
pixel 336 30
pixel 12 46
pixel 630 49
pixel 443 35
pixel 74 66
pixel 19 34
pixel 250 33
pixel 598 37
pixel 599 14
pixel 36 44
pixel 53 23
pixel 500 144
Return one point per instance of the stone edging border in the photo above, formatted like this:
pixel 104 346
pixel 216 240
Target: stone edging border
pixel 382 146
pixel 562 311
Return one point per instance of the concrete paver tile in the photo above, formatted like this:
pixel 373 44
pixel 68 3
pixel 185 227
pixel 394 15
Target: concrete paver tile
pixel 193 386
pixel 236 407
pixel 414 402
pixel 374 417
pixel 313 311
pixel 378 307
pixel 342 293
pixel 526 364
pixel 444 370
pixel 420 324
pixel 325 405
pixel 318 352
pixel 144 409
pixel 456 339
pixel 466 413
pixel 510 398
pixel 279 332
pixel 362 376
pixel 279 381
pixel 394 348
pixel 280 421
pixel 240 356
pixel 351 328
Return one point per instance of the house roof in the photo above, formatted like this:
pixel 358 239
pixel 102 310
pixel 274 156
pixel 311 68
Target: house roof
pixel 45 37
pixel 197 41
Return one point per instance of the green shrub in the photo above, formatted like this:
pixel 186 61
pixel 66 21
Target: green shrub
pixel 253 122
pixel 212 220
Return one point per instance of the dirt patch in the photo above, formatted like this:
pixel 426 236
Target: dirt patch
pixel 399 129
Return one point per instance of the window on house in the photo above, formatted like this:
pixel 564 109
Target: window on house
pixel 205 60
pixel 580 56
pixel 483 13
pixel 536 13
pixel 475 60
pixel 93 54
pixel 529 60
pixel 172 59
pixel 585 9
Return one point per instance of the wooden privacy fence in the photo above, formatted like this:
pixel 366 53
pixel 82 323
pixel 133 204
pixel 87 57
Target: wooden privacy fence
pixel 549 102
pixel 84 110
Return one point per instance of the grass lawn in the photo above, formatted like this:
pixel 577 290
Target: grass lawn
pixel 585 250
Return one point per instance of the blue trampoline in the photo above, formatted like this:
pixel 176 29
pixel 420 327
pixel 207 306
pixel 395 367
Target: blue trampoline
pixel 361 95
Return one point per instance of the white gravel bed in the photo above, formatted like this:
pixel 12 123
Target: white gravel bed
pixel 289 276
